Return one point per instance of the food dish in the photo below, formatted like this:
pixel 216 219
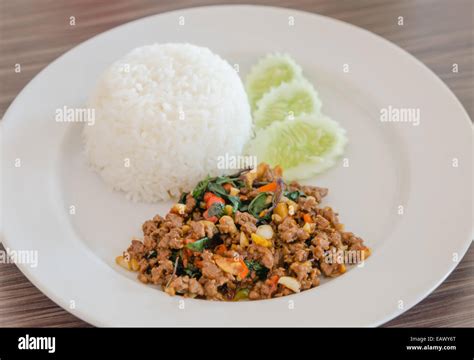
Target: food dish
pixel 245 236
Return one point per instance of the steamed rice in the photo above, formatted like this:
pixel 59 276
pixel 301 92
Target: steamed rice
pixel 164 115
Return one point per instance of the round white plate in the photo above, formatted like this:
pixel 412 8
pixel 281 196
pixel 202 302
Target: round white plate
pixel 406 188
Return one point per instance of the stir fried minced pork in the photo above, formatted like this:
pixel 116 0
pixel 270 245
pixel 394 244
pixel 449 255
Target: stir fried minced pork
pixel 244 236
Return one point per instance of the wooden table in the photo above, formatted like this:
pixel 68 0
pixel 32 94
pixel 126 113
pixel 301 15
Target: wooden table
pixel 439 33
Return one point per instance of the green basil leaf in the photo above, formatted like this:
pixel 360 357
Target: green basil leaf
pixel 217 189
pixel 244 207
pixel 182 198
pixel 198 245
pixel 294 195
pixel 235 201
pixel 258 204
pixel 239 184
pixel 260 270
pixel 225 180
pixel 192 271
pixel 201 188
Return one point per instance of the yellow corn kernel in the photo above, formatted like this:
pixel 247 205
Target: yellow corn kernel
pixel 258 240
pixel 186 229
pixel 134 264
pixel 228 209
pixel 281 210
pixel 234 191
pixel 309 227
pixel 276 218
pixel 120 260
pixel 244 241
pixel 339 227
pixel 342 268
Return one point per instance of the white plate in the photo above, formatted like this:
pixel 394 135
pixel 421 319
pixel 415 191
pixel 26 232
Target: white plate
pixel 390 165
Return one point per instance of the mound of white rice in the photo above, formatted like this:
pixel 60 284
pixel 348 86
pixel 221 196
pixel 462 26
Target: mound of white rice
pixel 164 114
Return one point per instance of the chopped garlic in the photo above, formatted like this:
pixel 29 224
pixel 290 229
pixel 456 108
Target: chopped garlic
pixel 265 231
pixel 290 282
pixel 178 209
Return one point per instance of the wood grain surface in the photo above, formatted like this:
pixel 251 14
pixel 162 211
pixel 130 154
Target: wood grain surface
pixel 439 33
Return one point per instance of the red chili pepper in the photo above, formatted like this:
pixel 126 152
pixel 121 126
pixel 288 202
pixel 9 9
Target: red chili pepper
pixel 273 282
pixel 245 270
pixel 220 250
pixel 208 195
pixel 268 187
pixel 214 199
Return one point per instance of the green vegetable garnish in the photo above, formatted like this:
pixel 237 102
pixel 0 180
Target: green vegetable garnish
pixel 294 195
pixel 201 188
pixel 199 245
pixel 244 207
pixel 192 271
pixel 242 294
pixel 217 189
pixel 285 101
pixel 304 146
pixel 182 198
pixel 221 180
pixel 235 201
pixel 258 204
pixel 270 72
pixel 260 270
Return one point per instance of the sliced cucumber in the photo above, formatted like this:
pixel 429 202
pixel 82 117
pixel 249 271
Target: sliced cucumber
pixel 285 101
pixel 305 146
pixel 269 72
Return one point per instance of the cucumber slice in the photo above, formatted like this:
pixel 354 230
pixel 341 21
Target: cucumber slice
pixel 305 146
pixel 271 71
pixel 285 101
